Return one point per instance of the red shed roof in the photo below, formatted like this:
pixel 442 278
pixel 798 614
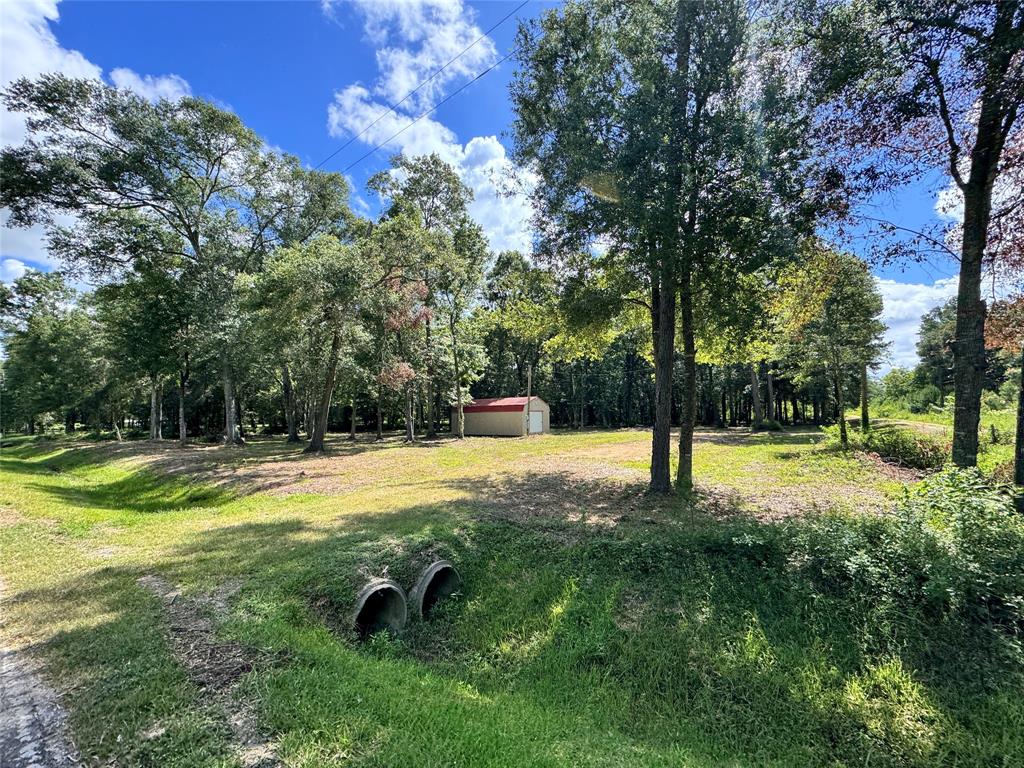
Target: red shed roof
pixel 508 404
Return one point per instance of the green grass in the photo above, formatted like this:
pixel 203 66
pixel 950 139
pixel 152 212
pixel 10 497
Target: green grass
pixel 673 638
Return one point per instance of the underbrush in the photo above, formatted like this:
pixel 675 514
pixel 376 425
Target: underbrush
pixel 950 558
pixel 897 445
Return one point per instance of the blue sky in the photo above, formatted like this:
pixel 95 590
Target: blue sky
pixel 307 76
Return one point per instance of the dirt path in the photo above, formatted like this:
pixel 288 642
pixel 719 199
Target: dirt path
pixel 924 427
pixel 33 725
pixel 214 666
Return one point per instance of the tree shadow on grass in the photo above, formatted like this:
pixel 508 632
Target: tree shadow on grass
pixel 139 492
pixel 156 477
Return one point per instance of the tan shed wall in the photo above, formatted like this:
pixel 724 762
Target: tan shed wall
pixel 499 423
pixel 502 423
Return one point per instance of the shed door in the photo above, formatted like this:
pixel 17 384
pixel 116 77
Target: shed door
pixel 536 422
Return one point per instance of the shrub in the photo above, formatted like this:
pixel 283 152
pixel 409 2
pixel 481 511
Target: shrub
pixel 767 425
pixel 905 447
pixel 908 448
pixel 953 553
pixel 994 402
pixel 925 397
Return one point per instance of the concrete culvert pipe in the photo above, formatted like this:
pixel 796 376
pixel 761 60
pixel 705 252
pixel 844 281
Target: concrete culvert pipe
pixel 438 581
pixel 380 605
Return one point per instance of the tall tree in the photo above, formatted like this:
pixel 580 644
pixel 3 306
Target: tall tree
pixel 456 288
pixel 316 288
pixel 633 115
pixel 52 348
pixel 519 299
pixel 845 333
pixel 431 187
pixel 918 87
pixel 139 318
pixel 131 172
pixel 935 346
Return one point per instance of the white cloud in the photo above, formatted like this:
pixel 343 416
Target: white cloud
pixel 482 163
pixel 504 212
pixel 904 303
pixel 949 203
pixel 11 270
pixel 417 37
pixel 170 87
pixel 28 244
pixel 353 110
pixel 28 48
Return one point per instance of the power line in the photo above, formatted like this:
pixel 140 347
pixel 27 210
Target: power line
pixel 405 98
pixel 420 116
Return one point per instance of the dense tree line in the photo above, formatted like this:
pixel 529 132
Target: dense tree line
pixel 687 156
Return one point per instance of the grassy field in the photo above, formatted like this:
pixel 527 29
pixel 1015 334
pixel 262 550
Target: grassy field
pixel 190 604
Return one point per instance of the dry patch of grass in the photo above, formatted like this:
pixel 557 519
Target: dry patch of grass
pixel 214 665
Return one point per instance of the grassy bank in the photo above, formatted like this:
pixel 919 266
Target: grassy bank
pixel 597 627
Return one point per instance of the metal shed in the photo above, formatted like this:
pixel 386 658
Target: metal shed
pixel 504 416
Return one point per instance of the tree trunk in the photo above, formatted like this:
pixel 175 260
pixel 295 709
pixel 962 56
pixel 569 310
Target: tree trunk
pixel 182 391
pixel 410 434
pixel 69 421
pixel 583 398
pixel 664 324
pixel 231 434
pixel 844 440
pixel 755 395
pixel 990 135
pixel 770 401
pixel 969 345
pixel 664 279
pixel 460 419
pixel 380 416
pixel 240 415
pixel 431 429
pixel 291 414
pixel 865 423
pixel 155 410
pixel 316 443
pixel 1018 464
pixel 572 398
pixel 688 409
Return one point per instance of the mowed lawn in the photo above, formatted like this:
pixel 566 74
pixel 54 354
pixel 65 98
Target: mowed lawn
pixel 190 605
